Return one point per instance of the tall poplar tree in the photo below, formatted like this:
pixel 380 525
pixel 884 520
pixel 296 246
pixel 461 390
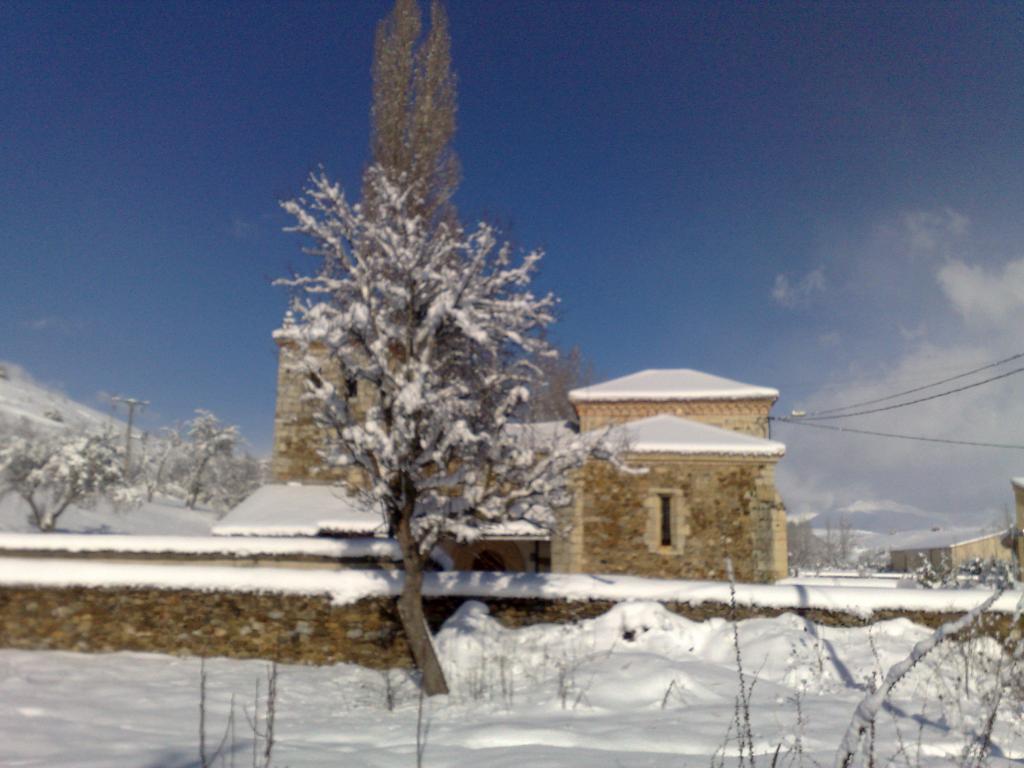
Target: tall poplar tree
pixel 413 112
pixel 439 323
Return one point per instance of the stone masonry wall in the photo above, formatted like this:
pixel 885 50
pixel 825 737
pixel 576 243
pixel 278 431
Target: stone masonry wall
pixel 720 508
pixel 297 438
pixel 749 416
pixel 1018 495
pixel 300 629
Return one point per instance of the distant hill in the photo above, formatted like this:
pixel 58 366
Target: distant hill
pixel 876 517
pixel 25 402
pixel 890 524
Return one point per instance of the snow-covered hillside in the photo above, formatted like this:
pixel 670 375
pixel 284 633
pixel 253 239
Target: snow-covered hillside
pixel 26 406
pixel 24 401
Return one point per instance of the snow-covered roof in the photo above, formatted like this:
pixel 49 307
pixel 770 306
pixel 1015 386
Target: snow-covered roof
pixel 670 384
pixel 672 434
pixel 1018 481
pixel 294 509
pixel 938 539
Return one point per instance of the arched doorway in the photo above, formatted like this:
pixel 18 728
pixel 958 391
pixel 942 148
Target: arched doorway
pixel 488 560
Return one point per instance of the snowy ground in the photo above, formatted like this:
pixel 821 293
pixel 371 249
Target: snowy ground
pixel 637 687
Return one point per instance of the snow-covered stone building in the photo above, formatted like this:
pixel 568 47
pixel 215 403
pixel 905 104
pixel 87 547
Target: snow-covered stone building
pixel 707 493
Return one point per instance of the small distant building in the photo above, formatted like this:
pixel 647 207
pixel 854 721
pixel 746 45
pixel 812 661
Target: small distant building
pixel 950 549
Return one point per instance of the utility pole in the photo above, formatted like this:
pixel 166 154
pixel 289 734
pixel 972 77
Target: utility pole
pixel 132 404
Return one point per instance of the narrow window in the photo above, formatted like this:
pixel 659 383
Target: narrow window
pixel 351 388
pixel 666 521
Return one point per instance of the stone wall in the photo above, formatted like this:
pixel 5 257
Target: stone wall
pixel 300 629
pixel 297 438
pixel 749 416
pixel 719 508
pixel 1018 495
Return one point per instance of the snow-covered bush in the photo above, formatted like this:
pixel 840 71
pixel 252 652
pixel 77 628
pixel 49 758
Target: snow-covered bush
pixel 232 478
pixel 984 572
pixel 52 472
pixel 209 440
pixel 161 466
pixel 197 464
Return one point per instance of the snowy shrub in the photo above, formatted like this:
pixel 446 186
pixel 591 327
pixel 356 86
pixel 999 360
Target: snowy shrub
pixel 161 467
pixel 53 472
pixel 973 573
pixel 199 466
pixel 209 441
pixel 232 478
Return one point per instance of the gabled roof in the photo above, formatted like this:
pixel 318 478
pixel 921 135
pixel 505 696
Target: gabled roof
pixel 671 434
pixel 293 509
pixel 910 541
pixel 670 384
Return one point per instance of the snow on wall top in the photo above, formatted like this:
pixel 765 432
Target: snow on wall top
pixel 1018 481
pixel 672 434
pixel 350 586
pixel 294 509
pixel 670 384
pixel 248 546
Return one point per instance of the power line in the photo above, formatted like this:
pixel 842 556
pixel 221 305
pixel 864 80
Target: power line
pixel 802 423
pixel 996 364
pixel 913 402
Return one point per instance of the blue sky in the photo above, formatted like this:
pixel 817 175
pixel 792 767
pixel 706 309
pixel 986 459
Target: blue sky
pixel 818 197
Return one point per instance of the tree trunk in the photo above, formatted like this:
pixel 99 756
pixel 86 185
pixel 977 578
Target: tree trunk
pixel 195 484
pixel 37 512
pixel 410 610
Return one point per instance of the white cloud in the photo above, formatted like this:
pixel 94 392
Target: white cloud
pixel 241 229
pixel 46 323
pixel 991 297
pixel 913 334
pixel 830 339
pixel 931 232
pixel 959 309
pixel 960 482
pixel 790 293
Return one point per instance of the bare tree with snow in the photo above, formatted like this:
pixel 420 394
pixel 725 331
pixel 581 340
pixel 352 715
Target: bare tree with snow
pixel 442 325
pixel 557 376
pixel 160 463
pixel 209 440
pixel 53 472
